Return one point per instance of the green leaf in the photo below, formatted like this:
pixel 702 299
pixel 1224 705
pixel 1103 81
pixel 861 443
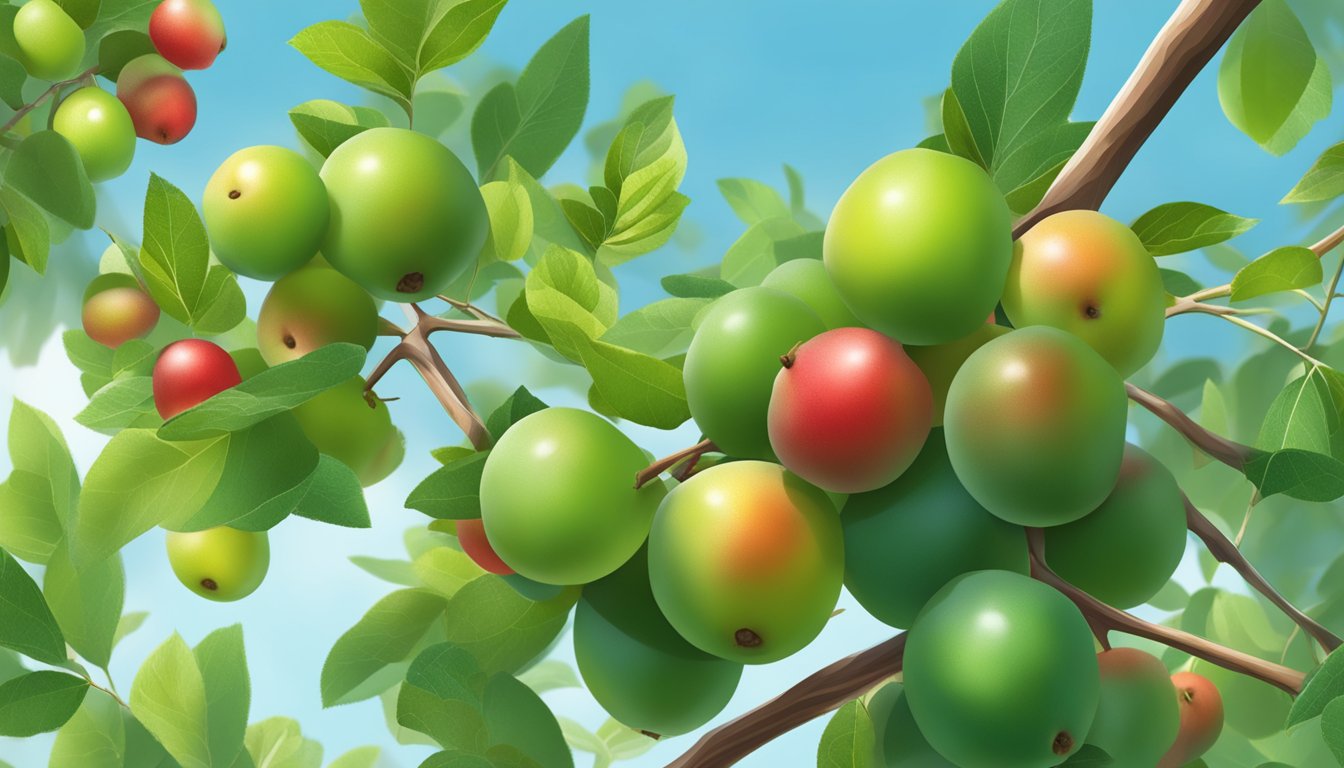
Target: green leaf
pixel 94 738
pixel 40 496
pixel 399 572
pixel 278 742
pixel 957 132
pixel 386 635
pixel 637 387
pixel 1325 685
pixel 445 570
pixel 118 48
pixel 442 698
pixel 39 702
pixel 550 675
pixel 228 691
pixel 1303 416
pixel 586 220
pixel 26 623
pixel 511 219
pixel 326 124
pixel 333 495
pixel 84 12
pixel 623 742
pixel 451 492
pixel 273 391
pixel 1171 597
pixel 753 201
pixel 566 298
pixel 1300 474
pixel 534 121
pixel 1090 756
pixel 121 14
pixel 1323 181
pixel 458 32
pixel 660 329
pixel 27 235
pixel 359 757
pixel 46 169
pixel 349 53
pixel 1179 227
pixel 128 624
pixel 399 25
pixel 502 629
pixel 1282 269
pixel 755 253
pixel 519 405
pixel 848 741
pixel 87 604
pixel 12 78
pixel 696 286
pixel 1332 728
pixel 169 698
pixel 121 403
pixel 516 717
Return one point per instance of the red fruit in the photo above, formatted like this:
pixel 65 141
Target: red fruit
pixel 159 99
pixel 189 33
pixel 471 535
pixel 1201 719
pixel 189 372
pixel 849 411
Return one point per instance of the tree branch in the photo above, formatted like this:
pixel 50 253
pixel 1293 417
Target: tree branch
pixel 1231 453
pixel 493 328
pixel 54 89
pixel 662 465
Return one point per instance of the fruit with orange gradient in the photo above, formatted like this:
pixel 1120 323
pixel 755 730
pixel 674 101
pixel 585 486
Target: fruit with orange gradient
pixel 1201 719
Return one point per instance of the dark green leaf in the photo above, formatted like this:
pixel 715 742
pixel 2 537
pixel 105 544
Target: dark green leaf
pixel 517 718
pixel 1089 756
pixel 1325 685
pixel 696 286
pixel 39 702
pixel 46 169
pixel 12 78
pixel 1178 283
pixel 26 623
pixel 118 48
pixel 502 629
pixel 520 404
pixel 1282 269
pixel 636 386
pixel 659 329
pixel 94 738
pixel 84 12
pixel 957 132
pixel 333 495
pixel 1180 227
pixel 327 124
pixel 1332 728
pixel 28 235
pixel 451 492
pixel 1296 473
pixel 386 635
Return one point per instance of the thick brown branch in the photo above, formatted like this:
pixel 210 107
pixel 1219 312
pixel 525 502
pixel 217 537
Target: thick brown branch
pixel 480 327
pixel 1225 551
pixel 667 462
pixel 1191 37
pixel 43 96
pixel 819 693
pixel 1231 453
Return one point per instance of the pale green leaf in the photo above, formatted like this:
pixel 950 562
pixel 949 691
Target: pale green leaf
pixel 168 697
pixel 1179 227
pixel 86 603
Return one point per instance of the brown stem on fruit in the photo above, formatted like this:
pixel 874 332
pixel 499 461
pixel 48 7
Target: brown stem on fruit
pixel 789 358
pixel 647 474
pixel 1231 453
pixel 1187 42
pixel 652 735
pixel 1224 551
pixel 819 693
pixel 684 470
pixel 1115 619
pixel 54 89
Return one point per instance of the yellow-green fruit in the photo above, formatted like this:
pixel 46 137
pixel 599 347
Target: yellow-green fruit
pixel 898 742
pixel 807 281
pixel 1090 275
pixel 98 126
pixel 266 210
pixel 223 564
pixel 386 462
pixel 343 425
pixel 940 362
pixel 732 363
pixel 919 246
pixel 1137 716
pixel 1035 426
pixel 1000 672
pixel 117 309
pixel 51 44
pixel 1126 550
pixel 746 561
pixel 635 664
pixel 310 308
pixel 558 497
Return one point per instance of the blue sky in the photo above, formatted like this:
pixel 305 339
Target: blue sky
pixel 828 87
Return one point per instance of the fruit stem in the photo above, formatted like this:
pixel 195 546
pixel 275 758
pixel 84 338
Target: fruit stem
pixel 43 96
pixel 689 455
pixel 788 358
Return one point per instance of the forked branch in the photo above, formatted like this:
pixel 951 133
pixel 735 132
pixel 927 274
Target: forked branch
pixel 55 88
pixel 1231 453
pixel 684 456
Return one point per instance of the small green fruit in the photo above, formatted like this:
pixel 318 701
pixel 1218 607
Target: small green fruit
pixel 899 744
pixel 100 128
pixel 223 564
pixel 51 44
pixel 807 281
pixel 1137 717
pixel 941 362
pixel 343 425
pixel 310 308
pixel 117 309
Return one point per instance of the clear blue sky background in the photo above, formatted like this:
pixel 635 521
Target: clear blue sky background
pixel 828 87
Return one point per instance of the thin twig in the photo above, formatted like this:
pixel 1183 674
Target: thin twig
pixel 388 328
pixel 1325 307
pixel 660 466
pixel 1231 453
pixel 1274 337
pixel 470 309
pixel 55 88
pixel 108 691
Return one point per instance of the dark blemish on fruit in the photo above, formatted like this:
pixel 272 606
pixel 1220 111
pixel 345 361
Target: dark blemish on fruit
pixel 746 638
pixel 1063 743
pixel 411 283
pixel 234 194
pixel 209 584
pixel 290 342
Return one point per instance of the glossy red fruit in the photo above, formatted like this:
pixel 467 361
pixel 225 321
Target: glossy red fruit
pixel 849 411
pixel 190 371
pixel 471 535
pixel 1201 719
pixel 159 99
pixel 189 33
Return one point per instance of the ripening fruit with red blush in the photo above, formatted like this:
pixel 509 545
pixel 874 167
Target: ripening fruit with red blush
pixel 849 411
pixel 160 100
pixel 1201 719
pixel 471 535
pixel 117 309
pixel 189 372
pixel 189 33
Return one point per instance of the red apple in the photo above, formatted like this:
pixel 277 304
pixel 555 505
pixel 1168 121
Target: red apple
pixel 189 33
pixel 471 535
pixel 1201 718
pixel 159 99
pixel 849 411
pixel 189 372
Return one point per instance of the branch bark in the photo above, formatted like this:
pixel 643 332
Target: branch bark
pixel 54 89
pixel 1233 454
pixel 660 466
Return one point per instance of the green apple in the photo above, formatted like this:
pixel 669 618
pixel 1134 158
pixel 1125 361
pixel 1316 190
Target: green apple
pixel 807 281
pixel 343 425
pixel 100 128
pixel 1137 716
pixel 310 308
pixel 222 564
pixel 51 44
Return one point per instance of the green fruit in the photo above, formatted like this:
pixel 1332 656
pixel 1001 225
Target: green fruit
pixel 899 744
pixel 941 362
pixel 636 665
pixel 310 308
pixel 389 457
pixel 732 363
pixel 406 216
pixel 266 210
pixel 343 425
pixel 905 541
pixel 807 281
pixel 100 128
pixel 558 499
pixel 223 564
pixel 1090 275
pixel 1000 672
pixel 117 309
pixel 919 246
pixel 1035 426
pixel 746 561
pixel 1127 549
pixel 51 44
pixel 1137 717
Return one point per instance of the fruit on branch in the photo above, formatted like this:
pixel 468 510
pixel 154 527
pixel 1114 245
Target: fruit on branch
pixel 1035 426
pixel 189 372
pixel 940 362
pixel 807 281
pixel 100 129
pixel 1090 275
pixel 387 460
pixel 223 564
pixel 558 499
pixel 189 33
pixel 266 211
pixel 849 411
pixel 159 99
pixel 1201 708
pixel 310 308
pixel 732 363
pixel 919 246
pixel 406 215
pixel 898 742
pixel 117 309
pixel 50 43
pixel 1125 550
pixel 1137 716
pixel 1251 707
pixel 905 541
pixel 343 424
pixel 1000 671
pixel 746 561
pixel 471 535
pixel 635 664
